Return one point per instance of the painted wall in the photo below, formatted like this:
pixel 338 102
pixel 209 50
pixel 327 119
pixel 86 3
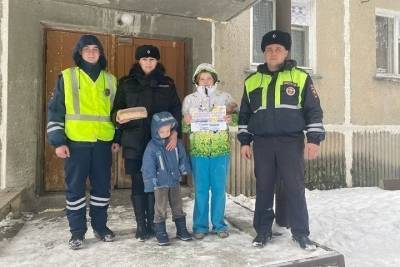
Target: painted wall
pixel 330 59
pixel 360 111
pixel 232 54
pixel 232 57
pixel 25 105
pixel 374 102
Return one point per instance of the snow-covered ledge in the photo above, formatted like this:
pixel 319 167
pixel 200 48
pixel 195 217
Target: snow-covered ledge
pixel 387 77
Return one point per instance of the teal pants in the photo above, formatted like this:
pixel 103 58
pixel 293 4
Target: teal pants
pixel 209 174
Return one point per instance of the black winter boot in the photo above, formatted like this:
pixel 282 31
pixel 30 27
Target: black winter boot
pixel 305 243
pixel 181 230
pixel 106 236
pixel 139 207
pixel 161 234
pixel 76 241
pixel 262 239
pixel 150 215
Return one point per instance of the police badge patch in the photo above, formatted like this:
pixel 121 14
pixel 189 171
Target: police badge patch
pixel 107 92
pixel 290 91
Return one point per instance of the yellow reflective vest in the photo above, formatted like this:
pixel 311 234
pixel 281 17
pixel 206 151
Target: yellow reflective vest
pixel 288 83
pixel 88 105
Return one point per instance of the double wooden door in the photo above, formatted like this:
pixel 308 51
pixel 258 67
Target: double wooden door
pixel 119 52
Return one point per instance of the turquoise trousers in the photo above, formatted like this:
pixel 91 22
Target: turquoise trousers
pixel 209 174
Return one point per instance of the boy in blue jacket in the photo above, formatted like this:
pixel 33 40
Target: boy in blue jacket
pixel 162 170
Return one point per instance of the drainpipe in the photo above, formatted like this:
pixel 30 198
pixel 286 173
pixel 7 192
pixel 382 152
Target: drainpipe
pixel 4 92
pixel 348 141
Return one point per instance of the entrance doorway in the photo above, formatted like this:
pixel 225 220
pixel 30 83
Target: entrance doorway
pixel 120 52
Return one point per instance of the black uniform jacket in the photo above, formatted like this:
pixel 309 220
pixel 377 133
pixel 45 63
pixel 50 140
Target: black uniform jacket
pixel 156 92
pixel 282 122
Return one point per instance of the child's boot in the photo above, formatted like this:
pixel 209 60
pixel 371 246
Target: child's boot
pixel 181 230
pixel 161 234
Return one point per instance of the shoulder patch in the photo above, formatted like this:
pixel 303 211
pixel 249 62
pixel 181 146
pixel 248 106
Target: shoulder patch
pixel 313 90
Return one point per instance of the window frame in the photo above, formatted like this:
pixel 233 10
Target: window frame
pixel 253 65
pixel 312 39
pixel 306 32
pixel 395 15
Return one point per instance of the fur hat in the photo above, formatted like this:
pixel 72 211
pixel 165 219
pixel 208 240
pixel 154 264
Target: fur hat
pixel 147 51
pixel 276 37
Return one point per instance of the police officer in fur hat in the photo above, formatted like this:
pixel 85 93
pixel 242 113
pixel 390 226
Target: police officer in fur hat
pixel 279 103
pixel 146 86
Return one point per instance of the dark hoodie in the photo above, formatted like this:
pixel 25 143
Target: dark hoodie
pixel 92 69
pixel 56 107
pixel 163 168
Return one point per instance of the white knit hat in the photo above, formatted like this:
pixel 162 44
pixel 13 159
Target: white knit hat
pixel 205 67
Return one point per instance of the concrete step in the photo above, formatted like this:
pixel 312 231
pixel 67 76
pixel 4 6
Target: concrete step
pixel 10 200
pixel 242 219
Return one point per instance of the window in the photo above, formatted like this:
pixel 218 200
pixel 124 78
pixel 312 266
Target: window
pixel 302 33
pixel 387 42
pixel 262 21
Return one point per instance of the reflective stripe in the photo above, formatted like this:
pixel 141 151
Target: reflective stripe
pixel 98 204
pixel 55 123
pixel 76 202
pixel 242 126
pixel 78 117
pixel 55 128
pixel 109 85
pixel 315 130
pixel 161 162
pixel 288 106
pixel 76 208
pixel 243 131
pixel 260 108
pixel 75 90
pixel 99 198
pixel 315 125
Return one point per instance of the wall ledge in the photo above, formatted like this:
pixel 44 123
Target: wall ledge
pixel 387 77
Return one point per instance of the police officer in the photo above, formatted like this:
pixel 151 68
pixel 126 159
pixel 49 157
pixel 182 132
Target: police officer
pixel 279 103
pixel 80 129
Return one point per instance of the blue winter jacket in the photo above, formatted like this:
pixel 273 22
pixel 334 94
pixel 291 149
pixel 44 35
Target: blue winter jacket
pixel 163 168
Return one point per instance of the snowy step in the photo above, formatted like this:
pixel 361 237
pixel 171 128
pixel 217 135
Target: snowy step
pixel 284 252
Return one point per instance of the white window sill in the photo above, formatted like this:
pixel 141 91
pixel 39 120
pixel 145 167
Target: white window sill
pixel 387 77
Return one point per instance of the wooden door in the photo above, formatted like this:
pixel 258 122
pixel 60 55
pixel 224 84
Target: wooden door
pixel 119 52
pixel 59 48
pixel 172 57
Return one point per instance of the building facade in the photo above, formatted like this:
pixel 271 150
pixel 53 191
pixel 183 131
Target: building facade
pixel 351 49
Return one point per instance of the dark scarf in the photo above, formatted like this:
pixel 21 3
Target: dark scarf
pixel 93 70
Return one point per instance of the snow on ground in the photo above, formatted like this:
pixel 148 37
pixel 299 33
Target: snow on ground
pixel 43 242
pixel 361 223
